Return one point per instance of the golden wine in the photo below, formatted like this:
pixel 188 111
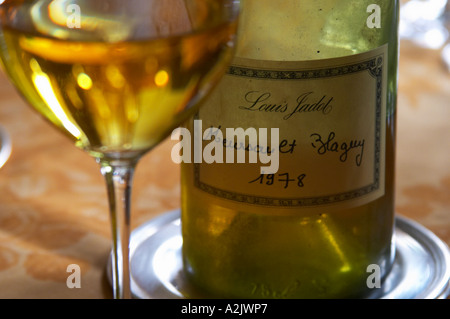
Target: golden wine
pixel 325 74
pixel 114 90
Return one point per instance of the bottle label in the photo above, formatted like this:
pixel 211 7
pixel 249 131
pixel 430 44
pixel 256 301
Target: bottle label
pixel 331 116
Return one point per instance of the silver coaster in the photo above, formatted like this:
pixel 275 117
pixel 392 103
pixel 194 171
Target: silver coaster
pixel 421 268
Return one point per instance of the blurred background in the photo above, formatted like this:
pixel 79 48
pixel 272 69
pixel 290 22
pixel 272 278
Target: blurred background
pixel 426 23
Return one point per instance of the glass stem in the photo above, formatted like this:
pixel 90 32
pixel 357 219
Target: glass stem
pixel 119 176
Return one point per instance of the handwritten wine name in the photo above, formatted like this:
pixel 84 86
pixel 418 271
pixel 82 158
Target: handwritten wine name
pixel 323 146
pixel 307 102
pixel 285 146
pixel 330 145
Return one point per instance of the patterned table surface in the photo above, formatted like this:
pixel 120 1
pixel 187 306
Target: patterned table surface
pixel 53 209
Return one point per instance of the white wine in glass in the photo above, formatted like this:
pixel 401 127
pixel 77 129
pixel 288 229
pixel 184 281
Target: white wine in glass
pixel 116 76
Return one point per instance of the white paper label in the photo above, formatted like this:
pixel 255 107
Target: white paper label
pixel 331 116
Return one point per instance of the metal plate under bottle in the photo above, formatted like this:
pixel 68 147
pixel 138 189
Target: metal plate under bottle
pixel 421 268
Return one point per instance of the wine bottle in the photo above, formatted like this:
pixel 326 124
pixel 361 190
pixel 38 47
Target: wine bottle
pixel 320 225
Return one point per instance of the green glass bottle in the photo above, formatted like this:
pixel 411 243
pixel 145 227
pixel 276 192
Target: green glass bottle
pixel 324 73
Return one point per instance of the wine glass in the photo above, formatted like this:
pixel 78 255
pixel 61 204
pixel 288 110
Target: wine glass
pixel 116 76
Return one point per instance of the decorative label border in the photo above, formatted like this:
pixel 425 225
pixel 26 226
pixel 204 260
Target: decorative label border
pixel 374 66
